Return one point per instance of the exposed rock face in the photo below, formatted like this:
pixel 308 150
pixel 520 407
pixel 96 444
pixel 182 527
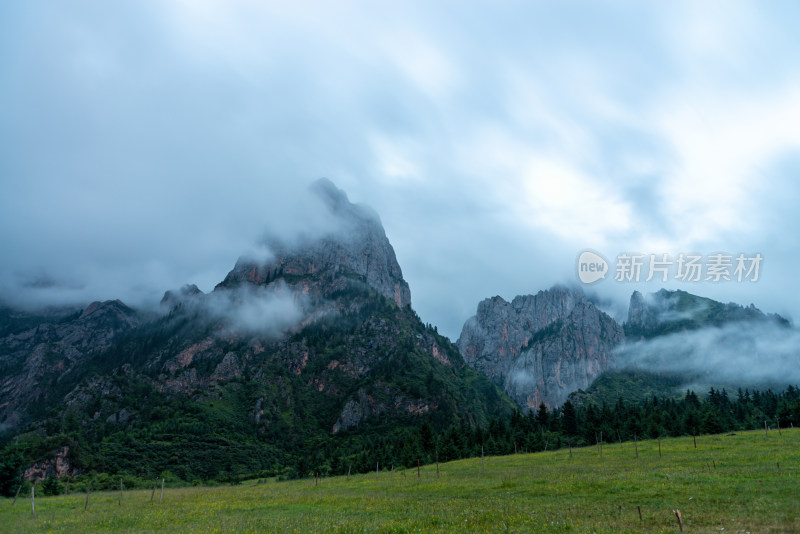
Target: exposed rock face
pixel 58 465
pixel 640 314
pixel 540 348
pixel 357 248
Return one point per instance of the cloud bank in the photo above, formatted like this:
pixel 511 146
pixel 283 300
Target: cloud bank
pixel 146 145
pixel 744 354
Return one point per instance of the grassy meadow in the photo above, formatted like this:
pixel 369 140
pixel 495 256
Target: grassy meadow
pixel 747 482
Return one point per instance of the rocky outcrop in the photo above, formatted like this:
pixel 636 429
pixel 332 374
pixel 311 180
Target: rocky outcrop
pixel 356 248
pixel 540 348
pixel 363 406
pixel 58 465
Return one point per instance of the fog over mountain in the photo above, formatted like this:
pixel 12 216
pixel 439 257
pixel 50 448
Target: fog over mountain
pixel 745 354
pixel 143 145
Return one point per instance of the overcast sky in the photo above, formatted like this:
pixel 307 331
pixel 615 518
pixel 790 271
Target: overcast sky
pixel 144 145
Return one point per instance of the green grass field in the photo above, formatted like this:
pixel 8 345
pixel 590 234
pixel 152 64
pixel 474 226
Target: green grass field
pixel 753 488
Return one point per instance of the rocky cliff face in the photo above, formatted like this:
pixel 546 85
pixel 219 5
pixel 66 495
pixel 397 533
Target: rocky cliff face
pixel 541 347
pixel 356 248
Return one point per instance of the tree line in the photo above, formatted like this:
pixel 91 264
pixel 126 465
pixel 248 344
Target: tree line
pixel 573 424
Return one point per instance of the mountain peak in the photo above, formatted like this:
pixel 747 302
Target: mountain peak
pixel 173 297
pixel 329 193
pixel 339 204
pixel 108 307
pixel 356 249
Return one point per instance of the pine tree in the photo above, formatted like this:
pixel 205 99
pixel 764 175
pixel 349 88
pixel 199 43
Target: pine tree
pixel 569 419
pixel 542 417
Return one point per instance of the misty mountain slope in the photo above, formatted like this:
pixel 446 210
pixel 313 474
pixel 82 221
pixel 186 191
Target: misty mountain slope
pixel 665 312
pixel 189 388
pixel 556 344
pixel 540 348
pixel 317 342
pixel 37 349
pixel 677 341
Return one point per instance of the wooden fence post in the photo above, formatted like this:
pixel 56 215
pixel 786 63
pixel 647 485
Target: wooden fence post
pixel 417 469
pixel 162 491
pixel 88 491
pixel 482 463
pixel 17 495
pixel 376 470
pixel 33 498
pixel 66 489
pixel 437 464
pixel 120 491
pixel 680 519
pixel 152 495
pixel 659 447
pixel 636 445
pixel 348 471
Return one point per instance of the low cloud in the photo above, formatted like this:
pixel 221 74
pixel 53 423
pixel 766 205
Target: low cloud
pixel 257 310
pixel 667 307
pixel 746 354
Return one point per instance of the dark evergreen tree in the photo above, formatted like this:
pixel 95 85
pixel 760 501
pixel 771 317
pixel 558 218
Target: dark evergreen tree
pixel 543 417
pixel 569 419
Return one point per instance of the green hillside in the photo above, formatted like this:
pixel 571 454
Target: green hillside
pixel 743 482
pixel 250 406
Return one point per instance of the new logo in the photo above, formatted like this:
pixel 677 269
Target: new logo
pixel 591 267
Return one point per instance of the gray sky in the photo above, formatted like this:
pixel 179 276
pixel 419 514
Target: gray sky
pixel 147 144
